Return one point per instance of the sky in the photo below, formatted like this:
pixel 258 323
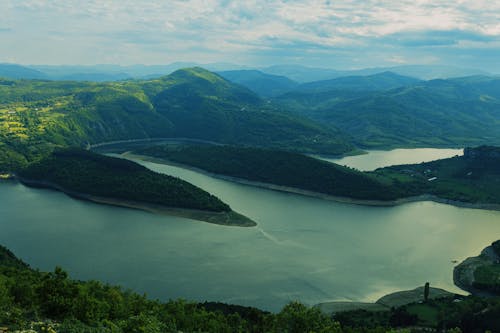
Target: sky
pixel 346 34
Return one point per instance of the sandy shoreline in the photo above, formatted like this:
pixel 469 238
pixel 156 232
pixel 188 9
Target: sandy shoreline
pixel 221 218
pixel 424 197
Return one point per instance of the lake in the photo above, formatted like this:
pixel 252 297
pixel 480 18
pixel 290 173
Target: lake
pixel 303 248
pixel 381 158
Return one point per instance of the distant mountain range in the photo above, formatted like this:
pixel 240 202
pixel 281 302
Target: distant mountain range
pixel 266 85
pixel 425 72
pixel 297 73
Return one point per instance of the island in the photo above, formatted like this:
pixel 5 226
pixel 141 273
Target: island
pixel 471 180
pixel 102 179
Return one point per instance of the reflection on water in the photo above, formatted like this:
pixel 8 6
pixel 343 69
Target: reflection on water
pixel 303 248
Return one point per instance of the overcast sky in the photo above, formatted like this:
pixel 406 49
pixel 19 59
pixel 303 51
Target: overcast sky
pixel 343 34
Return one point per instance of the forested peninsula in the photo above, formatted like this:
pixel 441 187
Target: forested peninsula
pixel 471 180
pixel 120 182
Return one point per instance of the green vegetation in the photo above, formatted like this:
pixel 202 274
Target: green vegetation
pixel 480 275
pixel 487 277
pixel 81 171
pixel 387 302
pixel 375 82
pixel 52 302
pixel 442 310
pixel 473 178
pixel 453 112
pixel 470 314
pixel 36 116
pixel 122 182
pixel 276 167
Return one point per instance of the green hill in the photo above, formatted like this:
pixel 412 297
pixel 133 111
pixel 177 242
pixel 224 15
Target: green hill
pixel 121 182
pixel 263 84
pixel 277 167
pixel 472 179
pixel 189 103
pixel 452 112
pixel 375 82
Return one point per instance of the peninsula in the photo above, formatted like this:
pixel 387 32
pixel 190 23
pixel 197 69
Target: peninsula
pixel 472 180
pixel 119 182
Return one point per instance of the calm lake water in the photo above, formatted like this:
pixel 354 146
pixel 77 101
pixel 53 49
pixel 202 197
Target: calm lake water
pixel 303 249
pixel 381 158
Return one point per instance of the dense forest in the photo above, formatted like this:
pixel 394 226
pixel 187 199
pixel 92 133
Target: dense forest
pixel 52 302
pixel 473 178
pixel 81 171
pixel 277 167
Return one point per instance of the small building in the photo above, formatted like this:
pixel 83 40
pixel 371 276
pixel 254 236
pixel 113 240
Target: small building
pixel 432 179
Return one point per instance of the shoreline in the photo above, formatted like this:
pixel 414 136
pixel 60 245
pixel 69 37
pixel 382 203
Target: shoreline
pixel 230 218
pixel 386 302
pixel 103 145
pixel 463 273
pixel 294 190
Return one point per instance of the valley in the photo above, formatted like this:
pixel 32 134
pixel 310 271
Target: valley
pixel 198 147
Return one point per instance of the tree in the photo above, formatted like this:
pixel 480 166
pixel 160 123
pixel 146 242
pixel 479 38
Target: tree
pixel 57 294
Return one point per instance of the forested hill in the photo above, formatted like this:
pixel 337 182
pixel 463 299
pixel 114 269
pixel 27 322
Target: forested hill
pixel 190 103
pixel 452 112
pixel 472 179
pixel 277 167
pixel 101 178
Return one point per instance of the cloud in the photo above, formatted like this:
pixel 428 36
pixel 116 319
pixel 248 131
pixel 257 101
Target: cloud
pixel 436 38
pixel 157 31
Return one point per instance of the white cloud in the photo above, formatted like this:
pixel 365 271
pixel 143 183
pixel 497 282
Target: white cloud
pixel 157 31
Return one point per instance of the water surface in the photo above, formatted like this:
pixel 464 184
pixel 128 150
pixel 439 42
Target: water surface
pixel 381 158
pixel 303 249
